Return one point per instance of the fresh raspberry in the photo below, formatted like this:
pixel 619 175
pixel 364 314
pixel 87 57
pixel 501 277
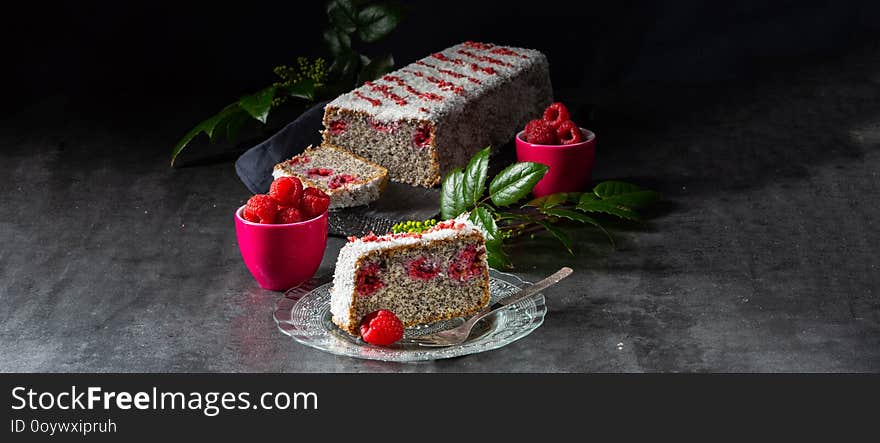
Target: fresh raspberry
pixel 288 215
pixel 555 114
pixel 569 133
pixel 314 203
pixel 262 208
pixel 381 328
pixel 368 280
pixel 465 265
pixel 422 136
pixel 287 191
pixel 245 214
pixel 340 180
pixel 323 172
pixel 422 268
pixel 540 132
pixel 337 127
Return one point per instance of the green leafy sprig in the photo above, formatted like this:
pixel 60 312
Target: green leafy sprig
pixel 353 23
pixel 350 23
pixel 463 191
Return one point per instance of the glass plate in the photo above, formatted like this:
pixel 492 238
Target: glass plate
pixel 303 313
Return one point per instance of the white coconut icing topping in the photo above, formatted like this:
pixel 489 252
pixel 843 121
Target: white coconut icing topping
pixel 439 84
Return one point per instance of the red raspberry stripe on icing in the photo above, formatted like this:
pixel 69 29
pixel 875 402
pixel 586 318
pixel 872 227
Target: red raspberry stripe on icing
pixel 411 90
pixel 442 57
pixel 457 61
pixel 442 84
pixel 448 72
pixel 386 91
pixel 504 51
pixel 478 45
pixel 373 101
pixel 484 58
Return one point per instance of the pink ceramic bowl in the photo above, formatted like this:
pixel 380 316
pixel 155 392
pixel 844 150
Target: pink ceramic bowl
pixel 571 166
pixel 281 257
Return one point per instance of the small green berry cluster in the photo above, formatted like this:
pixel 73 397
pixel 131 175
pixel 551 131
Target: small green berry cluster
pixel 411 226
pixel 314 72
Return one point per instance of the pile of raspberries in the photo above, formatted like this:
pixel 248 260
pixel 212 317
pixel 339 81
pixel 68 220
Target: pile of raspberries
pixel 555 128
pixel 286 202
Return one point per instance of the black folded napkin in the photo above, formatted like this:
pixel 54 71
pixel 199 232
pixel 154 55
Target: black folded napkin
pixel 399 202
pixel 254 167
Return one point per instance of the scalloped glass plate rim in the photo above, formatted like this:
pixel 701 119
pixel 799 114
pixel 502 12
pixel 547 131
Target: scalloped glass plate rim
pixel 530 313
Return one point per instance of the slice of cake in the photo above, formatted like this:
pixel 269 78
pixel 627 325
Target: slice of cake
pixel 431 116
pixel 348 179
pixel 422 277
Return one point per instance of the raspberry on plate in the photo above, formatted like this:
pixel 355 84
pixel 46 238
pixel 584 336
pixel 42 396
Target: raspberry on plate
pixel 289 215
pixel 569 133
pixel 381 328
pixel 261 208
pixel 556 114
pixel 314 202
pixel 540 132
pixel 287 191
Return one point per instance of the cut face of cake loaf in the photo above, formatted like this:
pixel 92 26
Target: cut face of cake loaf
pixel 431 116
pixel 348 179
pixel 435 275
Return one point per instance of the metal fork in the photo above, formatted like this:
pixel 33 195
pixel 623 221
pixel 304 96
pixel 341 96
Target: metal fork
pixel 459 334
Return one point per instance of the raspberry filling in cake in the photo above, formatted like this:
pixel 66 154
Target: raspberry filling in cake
pixel 436 275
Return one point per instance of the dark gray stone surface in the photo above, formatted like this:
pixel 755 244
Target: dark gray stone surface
pixel 765 259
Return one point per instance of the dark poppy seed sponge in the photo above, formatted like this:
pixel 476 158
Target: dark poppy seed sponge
pixel 424 277
pixel 431 116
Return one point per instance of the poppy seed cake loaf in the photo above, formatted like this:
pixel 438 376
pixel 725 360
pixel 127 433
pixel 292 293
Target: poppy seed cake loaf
pixel 348 179
pixel 436 275
pixel 431 116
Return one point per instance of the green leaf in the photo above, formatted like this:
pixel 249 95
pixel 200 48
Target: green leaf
pixel 553 200
pixel 638 199
pixel 611 188
pixel 342 14
pixel 376 21
pixel 586 197
pixel 577 216
pixel 207 126
pixel 234 124
pixel 474 184
pixel 482 217
pixel 451 200
pixel 497 257
pixel 500 215
pixel 338 42
pixel 304 89
pixel 625 194
pixel 515 182
pixel 571 215
pixel 375 68
pixel 558 233
pixel 605 207
pixel 259 103
pixel 345 65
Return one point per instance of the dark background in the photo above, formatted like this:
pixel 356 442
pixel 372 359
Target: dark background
pixel 758 121
pixel 626 58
